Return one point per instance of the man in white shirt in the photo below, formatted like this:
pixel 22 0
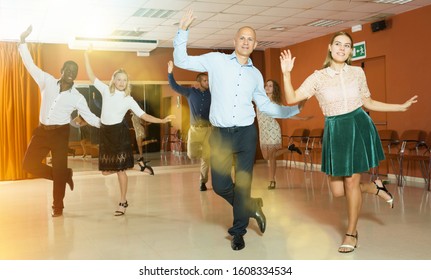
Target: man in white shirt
pixel 59 98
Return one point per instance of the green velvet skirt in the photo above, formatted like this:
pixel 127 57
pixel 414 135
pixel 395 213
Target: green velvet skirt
pixel 351 144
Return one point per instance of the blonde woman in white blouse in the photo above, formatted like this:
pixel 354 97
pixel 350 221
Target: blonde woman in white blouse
pixel 351 144
pixel 115 150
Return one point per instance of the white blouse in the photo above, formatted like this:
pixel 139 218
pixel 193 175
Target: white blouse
pixel 337 92
pixel 115 105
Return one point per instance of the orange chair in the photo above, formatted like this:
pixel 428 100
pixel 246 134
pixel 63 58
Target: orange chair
pixel 299 139
pixel 409 144
pixel 423 156
pixel 390 140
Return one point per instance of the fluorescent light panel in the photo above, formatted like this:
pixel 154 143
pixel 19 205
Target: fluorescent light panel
pixel 399 2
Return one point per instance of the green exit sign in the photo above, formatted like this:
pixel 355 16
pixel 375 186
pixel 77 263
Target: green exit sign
pixel 359 51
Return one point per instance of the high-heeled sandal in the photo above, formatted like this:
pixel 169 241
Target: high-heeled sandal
pixel 271 185
pixel 389 201
pixel 121 212
pixel 350 248
pixel 146 166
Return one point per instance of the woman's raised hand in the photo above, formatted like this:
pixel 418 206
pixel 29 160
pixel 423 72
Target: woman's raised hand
pixel 286 61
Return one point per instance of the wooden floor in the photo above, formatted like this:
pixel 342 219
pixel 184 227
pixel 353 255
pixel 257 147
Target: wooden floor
pixel 168 218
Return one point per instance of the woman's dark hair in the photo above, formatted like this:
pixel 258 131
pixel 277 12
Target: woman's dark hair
pixel 276 94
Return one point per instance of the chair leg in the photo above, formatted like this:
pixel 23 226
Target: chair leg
pixel 374 173
pixel 429 174
pixel 395 168
pixel 292 159
pixel 311 161
pixel 400 175
pixel 305 160
pixel 422 165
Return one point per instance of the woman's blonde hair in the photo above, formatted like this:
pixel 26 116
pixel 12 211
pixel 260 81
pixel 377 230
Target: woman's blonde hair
pixel 328 59
pixel 112 84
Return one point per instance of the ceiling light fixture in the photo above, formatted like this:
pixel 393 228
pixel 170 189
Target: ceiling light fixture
pixel 399 2
pixel 278 28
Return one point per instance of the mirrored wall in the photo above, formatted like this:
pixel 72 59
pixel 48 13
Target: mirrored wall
pixel 83 141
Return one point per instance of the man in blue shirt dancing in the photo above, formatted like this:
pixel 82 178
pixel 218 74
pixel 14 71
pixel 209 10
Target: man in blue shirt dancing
pixel 199 100
pixel 235 84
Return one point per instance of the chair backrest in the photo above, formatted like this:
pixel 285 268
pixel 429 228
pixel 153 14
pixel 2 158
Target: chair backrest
pixel 316 133
pixel 388 134
pixel 411 139
pixel 425 146
pixel 413 135
pixel 315 137
pixel 389 138
pixel 428 140
pixel 299 135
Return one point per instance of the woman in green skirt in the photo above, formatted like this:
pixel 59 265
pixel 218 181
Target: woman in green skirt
pixel 351 144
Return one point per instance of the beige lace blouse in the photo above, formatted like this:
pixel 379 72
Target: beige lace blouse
pixel 337 92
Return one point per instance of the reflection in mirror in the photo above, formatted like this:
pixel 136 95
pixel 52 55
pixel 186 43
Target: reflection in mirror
pixel 84 141
pixel 157 142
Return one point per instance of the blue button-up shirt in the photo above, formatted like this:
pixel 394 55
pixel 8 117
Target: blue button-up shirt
pixel 199 101
pixel 233 86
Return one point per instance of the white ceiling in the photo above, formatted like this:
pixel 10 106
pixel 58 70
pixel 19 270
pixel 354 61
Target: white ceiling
pixel 58 21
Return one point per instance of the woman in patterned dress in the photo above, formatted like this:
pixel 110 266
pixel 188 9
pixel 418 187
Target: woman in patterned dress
pixel 270 132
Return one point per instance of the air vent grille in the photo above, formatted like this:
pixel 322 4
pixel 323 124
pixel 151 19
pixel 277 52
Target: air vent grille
pixel 266 44
pixel 127 33
pixel 325 22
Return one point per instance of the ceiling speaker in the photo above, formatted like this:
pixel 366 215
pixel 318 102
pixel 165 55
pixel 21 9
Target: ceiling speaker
pixel 378 25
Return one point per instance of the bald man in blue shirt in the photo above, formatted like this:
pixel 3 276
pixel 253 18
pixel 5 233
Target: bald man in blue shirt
pixel 235 84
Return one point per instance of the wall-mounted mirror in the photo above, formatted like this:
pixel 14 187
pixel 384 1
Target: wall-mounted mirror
pixel 161 141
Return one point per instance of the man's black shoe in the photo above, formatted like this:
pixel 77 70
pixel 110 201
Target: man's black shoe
pixel 70 180
pixel 258 215
pixel 56 212
pixel 237 242
pixel 203 187
pixel 293 148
